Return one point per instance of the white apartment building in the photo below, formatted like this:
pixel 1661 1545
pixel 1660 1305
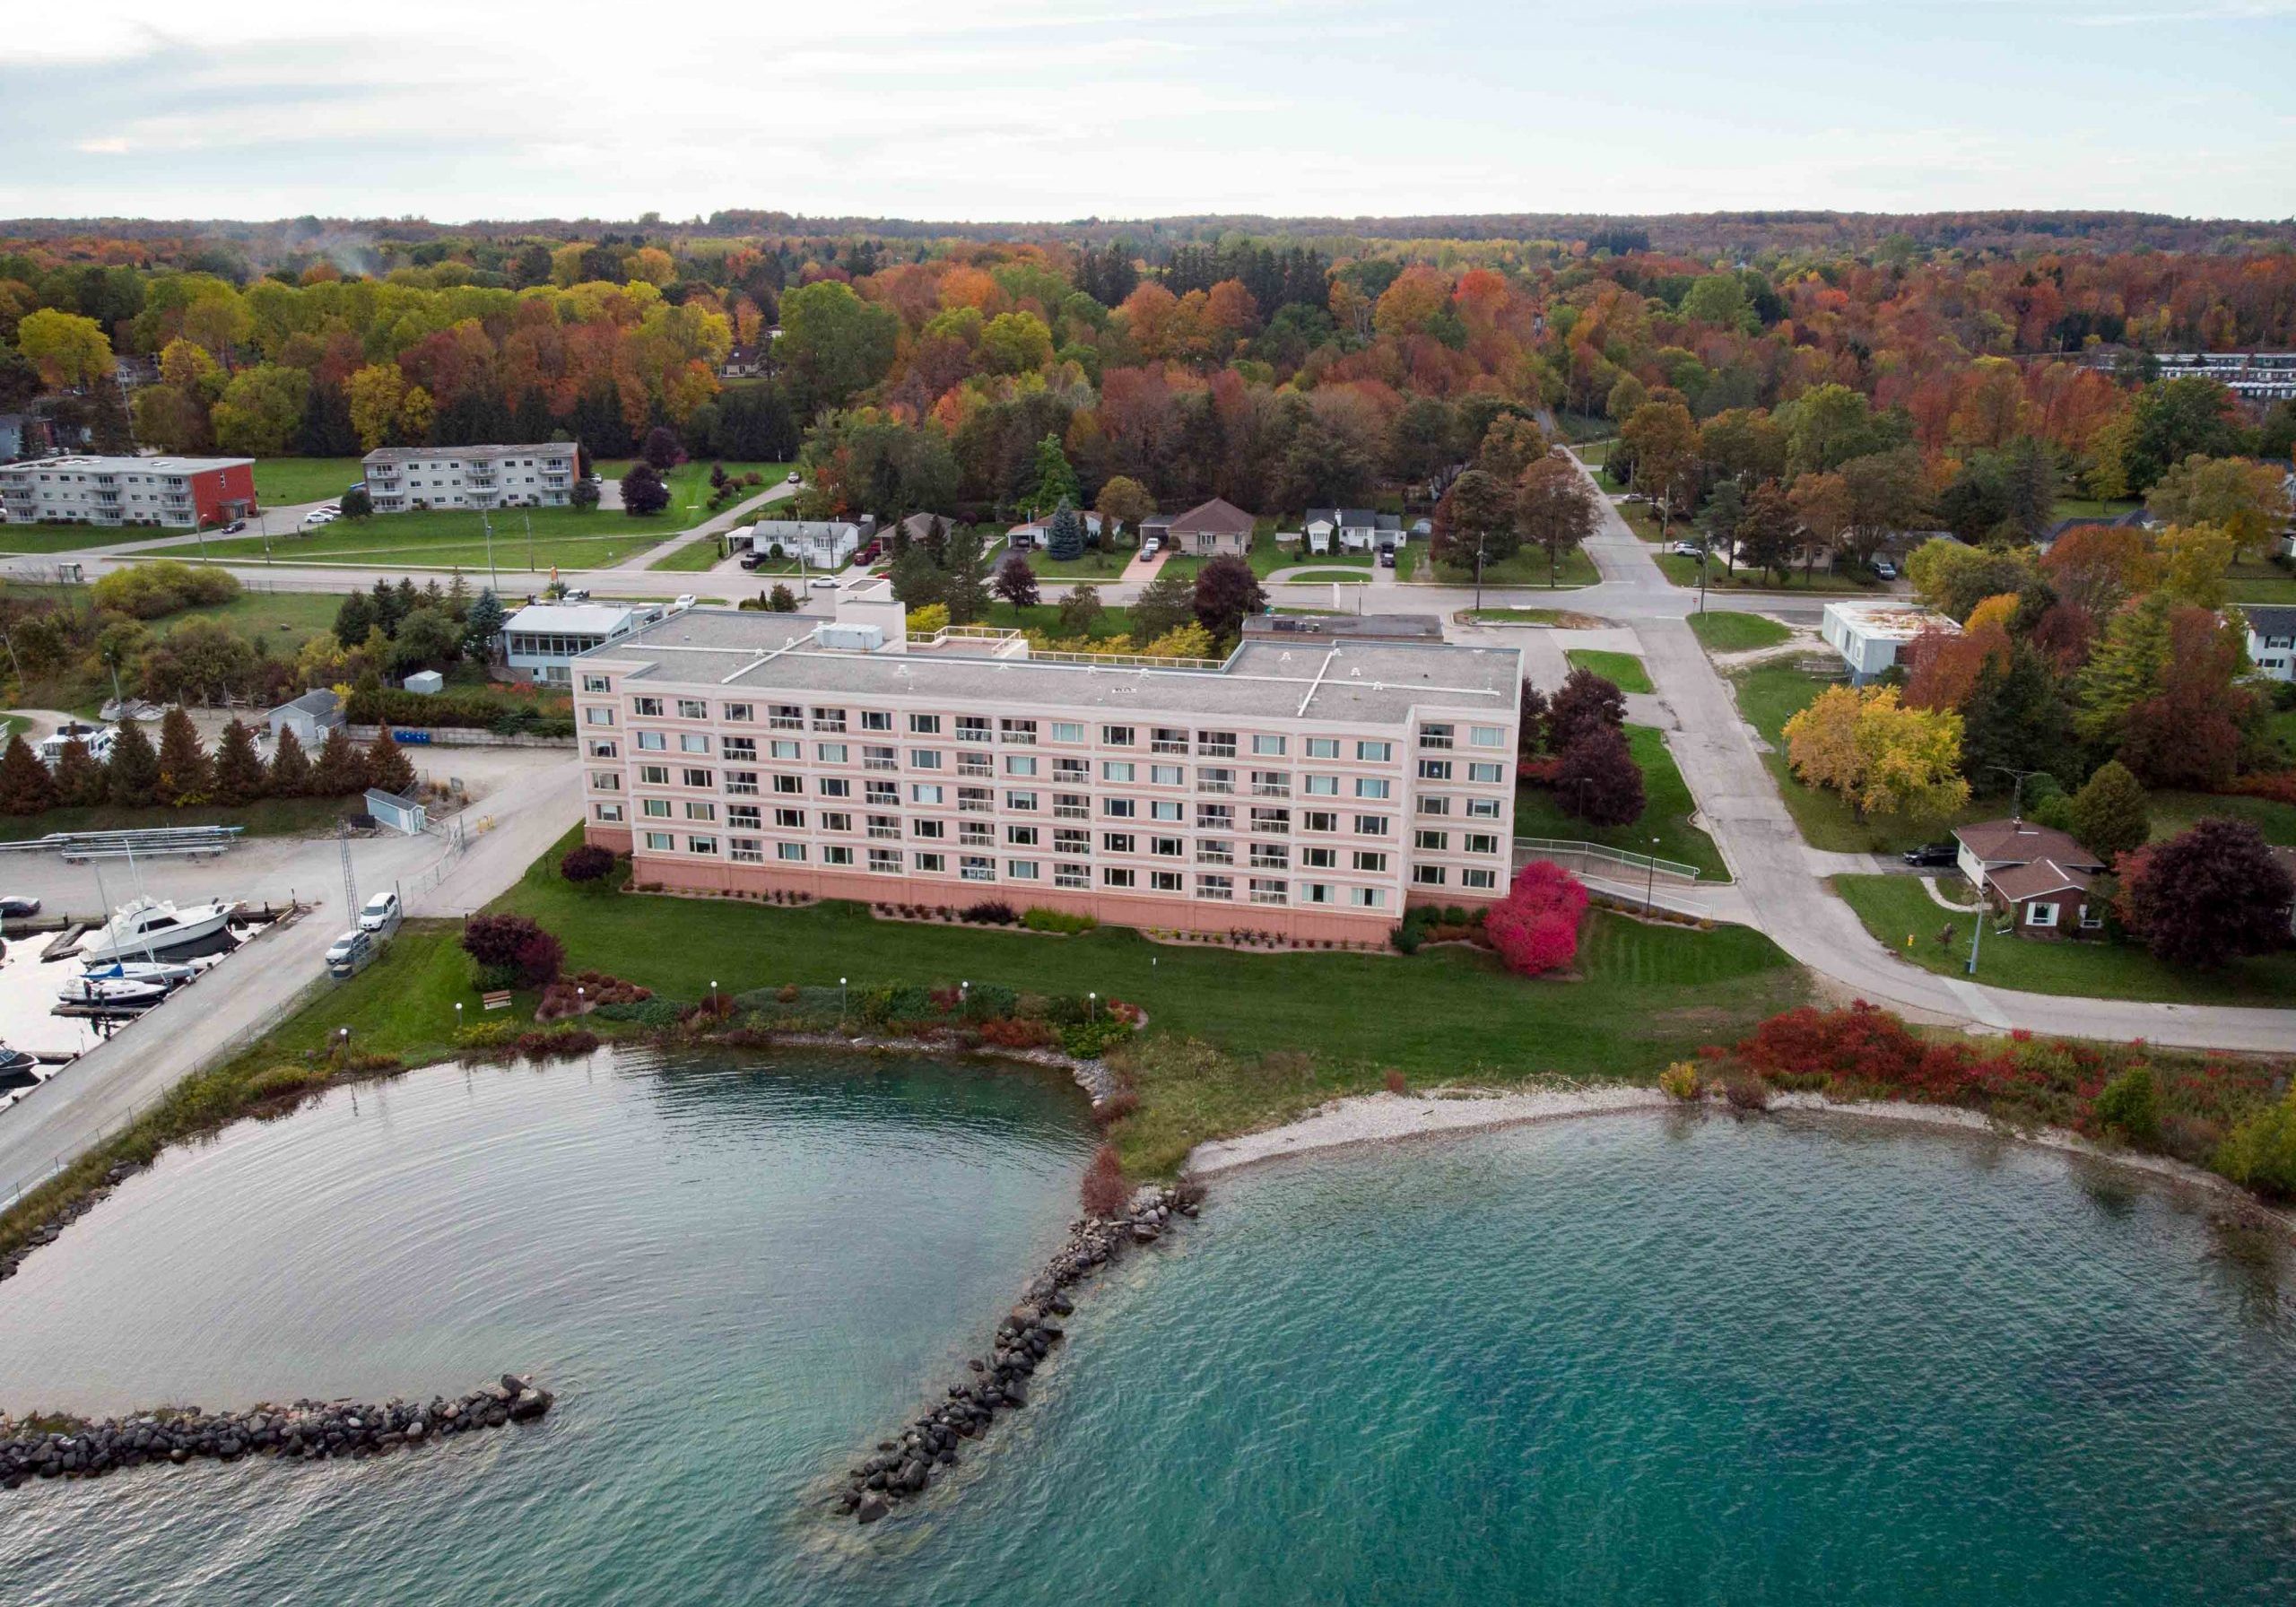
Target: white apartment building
pixel 84 488
pixel 1304 789
pixel 541 476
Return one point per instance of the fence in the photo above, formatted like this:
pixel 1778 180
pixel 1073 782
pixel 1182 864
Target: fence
pixel 1550 847
pixel 153 841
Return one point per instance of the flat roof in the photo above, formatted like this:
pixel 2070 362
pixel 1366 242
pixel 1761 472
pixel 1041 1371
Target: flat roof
pixel 576 617
pixel 426 454
pixel 1267 678
pixel 117 465
pixel 1895 622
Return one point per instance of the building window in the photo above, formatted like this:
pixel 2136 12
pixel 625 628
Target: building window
pixel 789 786
pixel 1270 892
pixel 1431 842
pixel 696 809
pixel 886 860
pixel 1021 837
pixel 596 684
pixel 1434 806
pixel 783 748
pixel 1484 879
pixel 659 842
pixel 790 853
pixel 876 719
pixel 1170 847
pixel 837 821
pixel 606 781
pixel 1435 736
pixel 829 719
pixel 1165 882
pixel 1118 736
pixel 925 793
pixel 835 786
pixel 925 725
pixel 1314 893
pixel 1322 787
pixel 1370 825
pixel 657 808
pixel 1318 820
pixel 1168 808
pixel 1020 764
pixel 654 774
pixel 1119 809
pixel 1370 864
pixel 1067 731
pixel 1071 875
pixel 603 750
pixel 2038 914
pixel 741 783
pixel 1487 736
pixel 936 863
pixel 1483 809
pixel 745 850
pixel 1020 870
pixel 837 854
pixel 609 812
pixel 647 706
pixel 652 742
pixel 692 708
pixel 1368 898
pixel 1434 770
pixel 1025 802
pixel 1322 747
pixel 740 712
pixel 1482 842
pixel 1427 875
pixel 695 777
pixel 1220 889
pixel 1117 842
pixel 930 830
pixel 784 820
pixel 971 868
pixel 1483 772
pixel 1371 787
pixel 1269 745
pixel 1117 876
pixel 1022 731
pixel 1319 859
pixel 1166 775
pixel 924 758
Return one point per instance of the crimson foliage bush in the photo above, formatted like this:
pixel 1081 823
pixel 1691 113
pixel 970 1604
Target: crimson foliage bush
pixel 585 862
pixel 1535 926
pixel 513 946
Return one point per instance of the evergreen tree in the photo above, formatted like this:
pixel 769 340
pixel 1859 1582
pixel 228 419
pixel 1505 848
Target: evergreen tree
pixel 482 624
pixel 341 768
pixel 79 779
pixel 1164 604
pixel 26 788
pixel 1065 540
pixel 1051 481
pixel 132 778
pixel 239 768
pixel 964 577
pixel 387 765
pixel 2110 816
pixel 353 619
pixel 290 767
pixel 458 597
pixel 184 774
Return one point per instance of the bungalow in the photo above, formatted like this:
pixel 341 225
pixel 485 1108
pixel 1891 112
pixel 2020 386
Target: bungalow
pixel 819 544
pixel 2272 638
pixel 1869 635
pixel 1351 530
pixel 1215 527
pixel 1038 533
pixel 743 362
pixel 2035 874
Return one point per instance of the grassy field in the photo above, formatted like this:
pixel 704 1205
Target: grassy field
pixel 1666 811
pixel 2092 507
pixel 1728 631
pixel 1594 454
pixel 1771 694
pixel 1683 572
pixel 284 481
pixel 1046 617
pixel 1622 669
pixel 1642 519
pixel 74 538
pixel 2173 811
pixel 1526 568
pixel 2256 580
pixel 695 556
pixel 1323 577
pixel 271 817
pixel 1894 908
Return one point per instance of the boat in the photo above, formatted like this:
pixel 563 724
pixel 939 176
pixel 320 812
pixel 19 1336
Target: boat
pixel 17 1068
pixel 142 970
pixel 146 927
pixel 112 995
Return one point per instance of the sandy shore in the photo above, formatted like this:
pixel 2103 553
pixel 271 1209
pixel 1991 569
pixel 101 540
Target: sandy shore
pixel 1387 1118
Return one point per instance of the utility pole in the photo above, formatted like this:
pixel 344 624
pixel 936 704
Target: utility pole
pixel 1478 572
pixel 530 541
pixel 487 525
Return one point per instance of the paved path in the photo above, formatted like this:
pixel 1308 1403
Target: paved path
pixel 1782 883
pixel 254 989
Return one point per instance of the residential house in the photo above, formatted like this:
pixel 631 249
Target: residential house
pixel 744 362
pixel 309 716
pixel 1038 533
pixel 2272 638
pixel 541 640
pixel 1214 528
pixel 1351 530
pixel 2035 874
pixel 926 526
pixel 1869 635
pixel 818 543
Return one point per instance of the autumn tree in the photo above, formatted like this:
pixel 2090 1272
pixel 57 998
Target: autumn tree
pixel 643 491
pixel 1080 609
pixel 1509 446
pixel 80 780
pixel 1953 578
pixel 71 352
pixel 662 450
pixel 2213 894
pixel 1016 582
pixel 1226 590
pixel 1555 510
pixel 2245 499
pixel 1475 519
pixel 1584 705
pixel 260 409
pixel 291 766
pixel 1123 501
pixel 387 766
pixel 2100 566
pixel 184 770
pixel 1942 667
pixel 132 774
pixel 1884 757
pixel 2109 814
pixel 1664 444
pixel 239 776
pixel 2195 561
pixel 1767 530
pixel 26 787
pixel 1597 780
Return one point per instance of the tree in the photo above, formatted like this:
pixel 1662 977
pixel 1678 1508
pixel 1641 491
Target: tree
pixel 291 766
pixel 643 493
pixel 132 776
pixel 1953 578
pixel 964 575
pixel 26 788
pixel 1476 516
pixel 512 950
pixel 1079 609
pixel 1820 504
pixel 2194 562
pixel 1664 444
pixel 261 409
pixel 1065 541
pixel 1597 779
pixel 1584 705
pixel 585 862
pixel 781 600
pixel 833 344
pixel 1016 582
pixel 377 392
pixel 2213 894
pixel 2109 817
pixel 1123 500
pixel 341 770
pixel 1886 759
pixel 2100 566
pixel 239 770
pixel 2244 499
pixel 482 624
pixel 387 765
pixel 1555 510
pixel 357 504
pixel 584 496
pixel 1051 482
pixel 71 353
pixel 184 770
pixel 1226 590
pixel 1534 927
pixel 1509 446
pixel 662 450
pixel 80 781
pixel 1186 641
pixel 2172 419
pixel 1766 530
pixel 1164 604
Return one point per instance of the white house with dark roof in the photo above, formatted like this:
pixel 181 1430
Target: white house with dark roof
pixel 2272 638
pixel 1351 530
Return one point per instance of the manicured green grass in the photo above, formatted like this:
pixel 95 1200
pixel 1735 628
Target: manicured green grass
pixel 1321 576
pixel 2256 580
pixel 284 481
pixel 2174 812
pixel 1265 558
pixel 1622 669
pixel 1650 993
pixel 706 554
pixel 1771 694
pixel 74 538
pixel 1518 616
pixel 1046 617
pixel 271 817
pixel 1894 908
pixel 1094 563
pixel 1526 568
pixel 1683 571
pixel 1642 519
pixel 1730 630
pixel 2091 507
pixel 1594 454
pixel 1667 810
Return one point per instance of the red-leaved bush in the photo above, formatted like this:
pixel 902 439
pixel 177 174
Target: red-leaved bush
pixel 1104 1190
pixel 1535 926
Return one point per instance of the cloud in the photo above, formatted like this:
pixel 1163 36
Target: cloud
pixel 117 145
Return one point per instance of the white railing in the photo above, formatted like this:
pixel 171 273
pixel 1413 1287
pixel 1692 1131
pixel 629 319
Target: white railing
pixel 1541 847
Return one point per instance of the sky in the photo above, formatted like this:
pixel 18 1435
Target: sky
pixel 1052 109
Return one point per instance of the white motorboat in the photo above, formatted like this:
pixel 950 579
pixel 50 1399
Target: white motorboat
pixel 142 970
pixel 148 927
pixel 17 1068
pixel 112 995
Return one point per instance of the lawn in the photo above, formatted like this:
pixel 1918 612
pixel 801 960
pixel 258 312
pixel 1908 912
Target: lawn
pixel 706 554
pixel 1771 694
pixel 1667 810
pixel 74 538
pixel 2254 580
pixel 1642 519
pixel 1594 454
pixel 1894 908
pixel 1527 616
pixel 1094 563
pixel 270 817
pixel 2092 507
pixel 1683 571
pixel 1524 568
pixel 1729 630
pixel 1622 670
pixel 1320 576
pixel 285 482
pixel 2173 811
pixel 1046 617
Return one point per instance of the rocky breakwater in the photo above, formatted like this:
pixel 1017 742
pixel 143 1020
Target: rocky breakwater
pixel 903 1467
pixel 50 1447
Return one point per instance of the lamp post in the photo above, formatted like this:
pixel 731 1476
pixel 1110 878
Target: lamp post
pixel 1092 1006
pixel 840 998
pixel 1478 572
pixel 1650 881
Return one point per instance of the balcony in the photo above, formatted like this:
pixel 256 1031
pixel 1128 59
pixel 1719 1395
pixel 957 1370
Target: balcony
pixel 1216 856
pixel 1168 747
pixel 785 722
pixel 1271 789
pixel 881 764
pixel 1270 895
pixel 1070 811
pixel 975 766
pixel 891 834
pixel 1204 784
pixel 975 806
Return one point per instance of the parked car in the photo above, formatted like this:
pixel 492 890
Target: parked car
pixel 15 906
pixel 869 554
pixel 1387 558
pixel 823 583
pixel 685 600
pixel 793 478
pixel 576 593
pixel 751 559
pixel 235 526
pixel 1687 550
pixel 1884 569
pixel 319 517
pixel 351 953
pixel 1151 546
pixel 379 914
pixel 1933 855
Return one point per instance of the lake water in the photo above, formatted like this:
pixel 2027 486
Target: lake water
pixel 1623 1359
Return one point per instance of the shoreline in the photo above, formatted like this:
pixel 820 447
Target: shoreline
pixel 1362 1120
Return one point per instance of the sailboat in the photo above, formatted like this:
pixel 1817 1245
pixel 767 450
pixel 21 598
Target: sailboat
pixel 112 995
pixel 142 970
pixel 146 926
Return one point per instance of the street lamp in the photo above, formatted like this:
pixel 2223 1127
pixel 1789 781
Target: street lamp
pixel 1650 881
pixel 1092 1006
pixel 840 998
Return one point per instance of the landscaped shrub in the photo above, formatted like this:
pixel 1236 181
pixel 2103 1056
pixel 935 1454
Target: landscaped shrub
pixel 1680 1081
pixel 1535 926
pixel 990 1002
pixel 1745 1091
pixel 988 912
pixel 1395 1082
pixel 1104 1190
pixel 647 1012
pixel 514 945
pixel 1040 920
pixel 1016 1034
pixel 1087 1040
pixel 2261 1152
pixel 285 1081
pixel 586 863
pixel 2129 1106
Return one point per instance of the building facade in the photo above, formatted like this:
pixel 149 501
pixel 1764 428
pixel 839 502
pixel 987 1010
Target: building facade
pixel 1870 636
pixel 183 493
pixel 541 641
pixel 2272 638
pixel 541 476
pixel 1305 790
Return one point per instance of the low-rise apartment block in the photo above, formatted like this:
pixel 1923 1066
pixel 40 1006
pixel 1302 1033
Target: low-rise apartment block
pixel 540 475
pixel 1307 790
pixel 181 494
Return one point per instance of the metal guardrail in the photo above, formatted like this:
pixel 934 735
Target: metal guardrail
pixel 1638 862
pixel 106 845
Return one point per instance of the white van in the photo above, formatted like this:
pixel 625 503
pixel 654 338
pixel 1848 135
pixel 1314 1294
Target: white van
pixel 380 914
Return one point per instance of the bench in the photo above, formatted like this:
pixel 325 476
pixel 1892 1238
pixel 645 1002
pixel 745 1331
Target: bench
pixel 498 999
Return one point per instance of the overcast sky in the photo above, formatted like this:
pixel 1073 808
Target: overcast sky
pixel 1058 108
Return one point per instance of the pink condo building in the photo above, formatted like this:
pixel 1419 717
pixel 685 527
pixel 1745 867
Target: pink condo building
pixel 1303 788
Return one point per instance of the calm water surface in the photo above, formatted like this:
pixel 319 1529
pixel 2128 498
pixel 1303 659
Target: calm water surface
pixel 1633 1359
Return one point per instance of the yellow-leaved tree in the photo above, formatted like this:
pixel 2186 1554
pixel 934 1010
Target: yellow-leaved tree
pixel 1884 757
pixel 1821 740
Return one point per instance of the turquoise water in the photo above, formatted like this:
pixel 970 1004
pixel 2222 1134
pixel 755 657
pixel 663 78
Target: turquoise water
pixel 1633 1360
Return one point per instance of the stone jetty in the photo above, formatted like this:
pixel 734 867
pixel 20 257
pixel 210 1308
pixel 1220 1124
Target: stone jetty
pixel 902 1467
pixel 50 1447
